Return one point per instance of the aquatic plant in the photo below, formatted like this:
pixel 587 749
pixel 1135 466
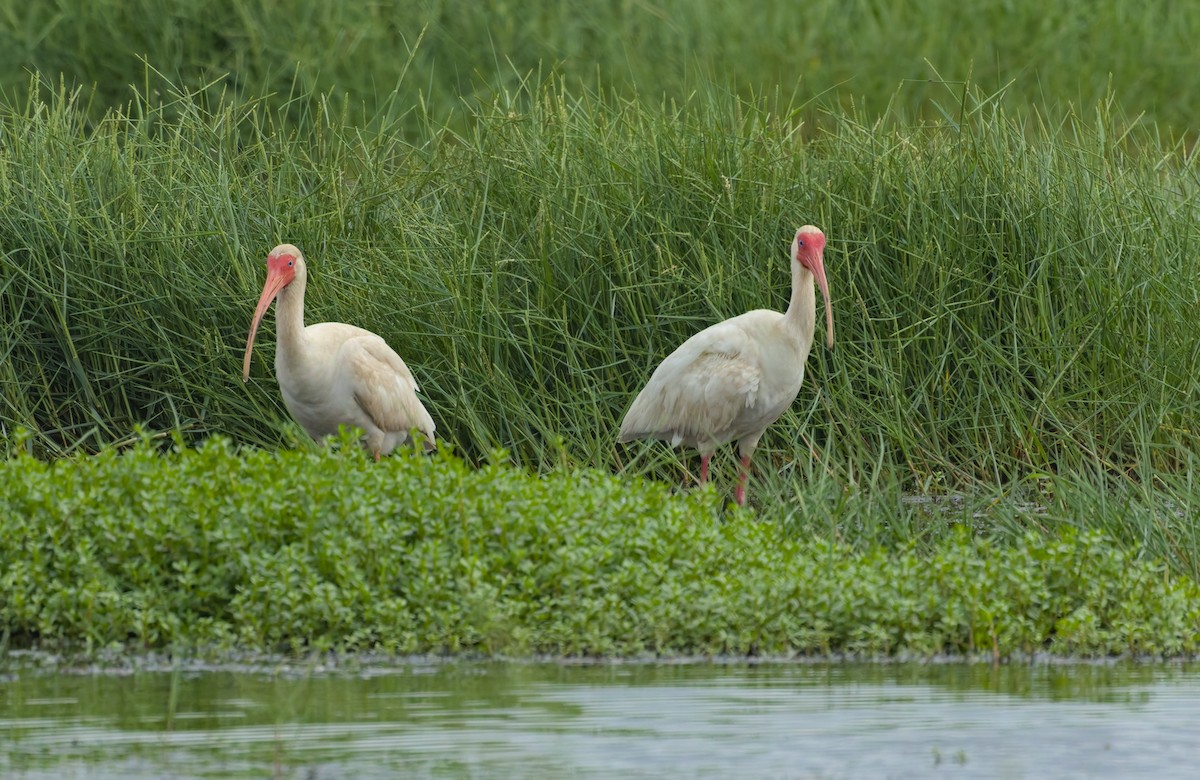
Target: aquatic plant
pixel 198 550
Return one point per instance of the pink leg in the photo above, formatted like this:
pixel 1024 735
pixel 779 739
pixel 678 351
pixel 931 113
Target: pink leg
pixel 740 494
pixel 704 468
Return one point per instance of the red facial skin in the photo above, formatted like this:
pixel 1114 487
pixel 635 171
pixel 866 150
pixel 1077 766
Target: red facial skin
pixel 281 271
pixel 810 253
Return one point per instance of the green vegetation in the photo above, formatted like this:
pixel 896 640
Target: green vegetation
pixel 444 53
pixel 311 549
pixel 1009 302
pixel 534 208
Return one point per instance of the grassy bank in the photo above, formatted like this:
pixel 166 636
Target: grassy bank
pixel 311 549
pixel 1009 303
pixel 439 53
pixel 534 208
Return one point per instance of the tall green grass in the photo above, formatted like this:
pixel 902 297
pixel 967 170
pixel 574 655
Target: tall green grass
pixel 444 52
pixel 1015 295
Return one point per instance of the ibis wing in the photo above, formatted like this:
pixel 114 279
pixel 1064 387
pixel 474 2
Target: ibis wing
pixel 698 392
pixel 384 388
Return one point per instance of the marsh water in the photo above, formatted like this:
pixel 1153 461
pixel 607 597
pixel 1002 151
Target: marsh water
pixel 524 720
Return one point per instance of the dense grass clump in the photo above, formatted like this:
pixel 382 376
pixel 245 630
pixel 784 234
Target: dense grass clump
pixel 1009 303
pixel 311 549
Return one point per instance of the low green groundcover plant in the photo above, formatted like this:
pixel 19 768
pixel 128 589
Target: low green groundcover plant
pixel 218 547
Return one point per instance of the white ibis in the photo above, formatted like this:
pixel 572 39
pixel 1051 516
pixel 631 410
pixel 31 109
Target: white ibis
pixel 335 374
pixel 733 379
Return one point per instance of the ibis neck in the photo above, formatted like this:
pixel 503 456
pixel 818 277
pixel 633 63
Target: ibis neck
pixel 801 314
pixel 289 316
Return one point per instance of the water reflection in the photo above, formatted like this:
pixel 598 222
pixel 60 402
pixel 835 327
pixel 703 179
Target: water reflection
pixel 627 720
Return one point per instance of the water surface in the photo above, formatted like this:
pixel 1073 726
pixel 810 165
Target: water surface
pixel 629 720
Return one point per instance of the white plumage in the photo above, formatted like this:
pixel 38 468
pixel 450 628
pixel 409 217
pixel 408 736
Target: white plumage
pixel 335 374
pixel 733 379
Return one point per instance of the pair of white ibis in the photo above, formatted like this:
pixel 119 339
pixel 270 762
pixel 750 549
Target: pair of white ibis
pixel 728 382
